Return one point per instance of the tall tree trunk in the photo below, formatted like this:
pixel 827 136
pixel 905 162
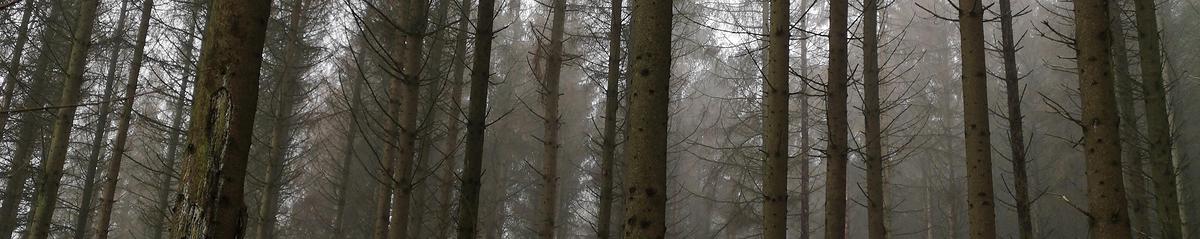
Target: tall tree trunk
pixel 476 121
pixel 1100 123
pixel 612 103
pixel 211 199
pixel 410 83
pixel 1158 133
pixel 454 128
pixel 84 216
pixel 32 125
pixel 285 103
pixel 1135 174
pixel 1016 135
pixel 52 168
pixel 551 120
pixel 646 170
pixel 981 212
pixel 14 66
pixel 872 114
pixel 340 224
pixel 775 121
pixel 836 95
pixel 805 165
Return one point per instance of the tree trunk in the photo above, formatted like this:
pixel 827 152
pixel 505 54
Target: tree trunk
pixel 84 216
pixel 872 114
pixel 410 83
pixel 285 103
pixel 32 126
pixel 1158 133
pixel 52 168
pixel 775 121
pixel 646 170
pixel 348 157
pixel 167 173
pixel 612 103
pixel 551 120
pixel 836 95
pixel 1135 174
pixel 476 121
pixel 981 211
pixel 453 129
pixel 210 203
pixel 14 67
pixel 1016 135
pixel 1100 123
pixel 805 165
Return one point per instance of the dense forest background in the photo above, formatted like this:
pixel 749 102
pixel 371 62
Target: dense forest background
pixel 362 118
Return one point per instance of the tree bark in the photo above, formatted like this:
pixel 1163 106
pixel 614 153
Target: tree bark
pixel 174 144
pixel 1158 133
pixel 476 121
pixel 775 121
pixel 285 104
pixel 981 211
pixel 52 168
pixel 1100 123
pixel 410 83
pixel 32 125
pixel 612 103
pixel 14 66
pixel 872 114
pixel 551 120
pixel 1016 135
pixel 836 95
pixel 210 203
pixel 646 170
pixel 805 165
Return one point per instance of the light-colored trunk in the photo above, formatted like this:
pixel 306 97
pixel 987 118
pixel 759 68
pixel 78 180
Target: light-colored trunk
pixel 46 198
pixel 648 117
pixel 551 120
pixel 211 199
pixel 1101 134
pixel 981 212
pixel 775 121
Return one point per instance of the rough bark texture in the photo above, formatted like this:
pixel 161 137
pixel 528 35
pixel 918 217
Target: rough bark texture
pixel 775 122
pixel 1100 123
pixel 612 103
pixel 167 172
pixel 468 199
pixel 210 203
pixel 551 120
pixel 835 169
pixel 1016 135
pixel 83 216
pixel 876 215
pixel 14 66
pixel 52 167
pixel 981 212
pixel 1158 127
pixel 650 76
pixel 1135 174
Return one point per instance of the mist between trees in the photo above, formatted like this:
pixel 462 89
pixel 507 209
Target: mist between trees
pixel 392 119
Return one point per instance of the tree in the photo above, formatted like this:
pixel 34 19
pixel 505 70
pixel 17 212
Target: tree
pixel 649 89
pixel 775 121
pixel 413 29
pixel 210 202
pixel 872 114
pixel 837 149
pixel 1100 123
pixel 113 171
pixel 1016 135
pixel 84 215
pixel 454 129
pixel 14 66
pixel 1158 127
pixel 981 211
pixel 52 168
pixel 468 200
pixel 551 119
pixel 1131 144
pixel 612 103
